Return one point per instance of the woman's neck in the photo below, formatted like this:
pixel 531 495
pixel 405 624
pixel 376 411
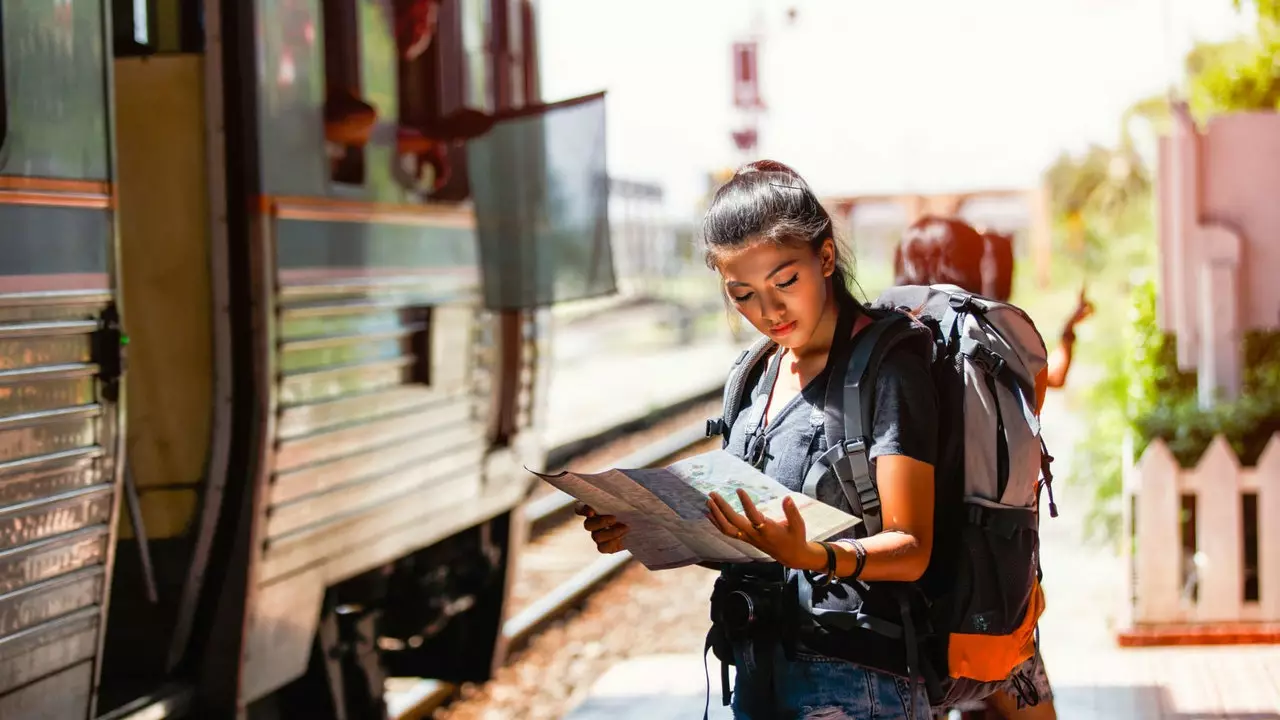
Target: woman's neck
pixel 819 345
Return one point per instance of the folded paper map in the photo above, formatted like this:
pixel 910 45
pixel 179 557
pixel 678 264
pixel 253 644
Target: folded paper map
pixel 665 508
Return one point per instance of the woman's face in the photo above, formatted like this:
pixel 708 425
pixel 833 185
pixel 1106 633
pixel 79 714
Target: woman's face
pixel 782 290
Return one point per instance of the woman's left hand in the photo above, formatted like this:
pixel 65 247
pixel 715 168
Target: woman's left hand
pixel 783 541
pixel 1083 310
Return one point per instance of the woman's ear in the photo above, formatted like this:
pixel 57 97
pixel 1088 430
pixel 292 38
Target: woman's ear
pixel 827 253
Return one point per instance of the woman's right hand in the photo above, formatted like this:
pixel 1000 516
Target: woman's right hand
pixel 605 530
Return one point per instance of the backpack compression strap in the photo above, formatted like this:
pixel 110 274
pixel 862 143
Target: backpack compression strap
pixel 848 418
pixel 736 385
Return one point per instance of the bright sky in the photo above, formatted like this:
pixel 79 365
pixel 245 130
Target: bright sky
pixel 869 96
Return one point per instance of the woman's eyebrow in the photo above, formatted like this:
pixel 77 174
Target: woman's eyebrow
pixel 780 268
pixel 775 271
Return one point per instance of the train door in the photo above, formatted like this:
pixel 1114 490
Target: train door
pixel 60 428
pixel 168 195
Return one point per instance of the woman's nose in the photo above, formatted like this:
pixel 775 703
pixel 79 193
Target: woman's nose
pixel 771 310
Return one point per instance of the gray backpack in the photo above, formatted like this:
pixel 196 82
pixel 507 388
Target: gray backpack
pixel 992 463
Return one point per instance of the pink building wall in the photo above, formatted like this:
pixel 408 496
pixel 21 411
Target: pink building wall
pixel 1218 194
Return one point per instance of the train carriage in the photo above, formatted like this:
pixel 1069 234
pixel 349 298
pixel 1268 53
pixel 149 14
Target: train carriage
pixel 305 480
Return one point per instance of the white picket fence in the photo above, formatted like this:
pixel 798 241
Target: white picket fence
pixel 1161 574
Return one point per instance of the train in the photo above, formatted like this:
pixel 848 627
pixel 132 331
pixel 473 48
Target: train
pixel 269 373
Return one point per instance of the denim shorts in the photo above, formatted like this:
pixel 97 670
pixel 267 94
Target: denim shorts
pixel 814 687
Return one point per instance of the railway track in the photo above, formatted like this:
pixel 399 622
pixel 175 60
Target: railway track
pixel 548 511
pixel 565 567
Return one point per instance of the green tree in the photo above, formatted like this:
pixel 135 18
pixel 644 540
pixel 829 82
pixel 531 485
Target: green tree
pixel 1268 10
pixel 1241 74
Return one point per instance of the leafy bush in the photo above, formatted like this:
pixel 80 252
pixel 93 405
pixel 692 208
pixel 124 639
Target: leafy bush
pixel 1247 423
pixel 1143 395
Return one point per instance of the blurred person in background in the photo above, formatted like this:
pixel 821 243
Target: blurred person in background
pixel 937 250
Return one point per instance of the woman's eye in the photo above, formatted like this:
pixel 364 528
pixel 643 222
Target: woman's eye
pixel 741 298
pixel 790 282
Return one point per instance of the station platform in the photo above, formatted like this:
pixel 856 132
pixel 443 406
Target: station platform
pixel 1093 678
pixel 655 686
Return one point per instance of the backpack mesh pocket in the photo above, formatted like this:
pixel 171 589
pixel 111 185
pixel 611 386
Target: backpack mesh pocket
pixel 995 568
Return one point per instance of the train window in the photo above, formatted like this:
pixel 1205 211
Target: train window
pixel 424 159
pixel 528 61
pixel 349 119
pixel 514 54
pixel 135 27
pixel 150 27
pixel 542 212
pixel 445 91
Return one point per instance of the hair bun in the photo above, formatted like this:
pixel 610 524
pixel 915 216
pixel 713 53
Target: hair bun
pixel 763 166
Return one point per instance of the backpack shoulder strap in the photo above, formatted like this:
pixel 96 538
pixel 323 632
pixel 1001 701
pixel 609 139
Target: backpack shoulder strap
pixel 736 385
pixel 848 406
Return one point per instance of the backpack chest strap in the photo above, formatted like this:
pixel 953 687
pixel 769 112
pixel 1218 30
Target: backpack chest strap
pixel 848 462
pixel 735 386
pixel 754 427
pixel 848 413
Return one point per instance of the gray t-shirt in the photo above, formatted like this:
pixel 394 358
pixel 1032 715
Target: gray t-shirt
pixel 904 422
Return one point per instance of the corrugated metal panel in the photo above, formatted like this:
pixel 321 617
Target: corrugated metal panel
pixel 380 410
pixel 56 495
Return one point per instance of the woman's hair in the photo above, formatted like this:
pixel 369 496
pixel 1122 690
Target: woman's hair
pixel 767 201
pixel 938 250
pixel 997 267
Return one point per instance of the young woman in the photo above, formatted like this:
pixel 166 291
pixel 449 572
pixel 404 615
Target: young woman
pixel 771 242
pixel 938 250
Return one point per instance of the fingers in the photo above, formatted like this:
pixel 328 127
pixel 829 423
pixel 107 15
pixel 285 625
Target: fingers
pixel 606 531
pixel 717 518
pixel 757 519
pixel 729 522
pixel 611 547
pixel 795 521
pixel 599 522
pixel 584 510
pixel 609 534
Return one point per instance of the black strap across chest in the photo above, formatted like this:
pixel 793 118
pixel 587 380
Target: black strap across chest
pixel 755 445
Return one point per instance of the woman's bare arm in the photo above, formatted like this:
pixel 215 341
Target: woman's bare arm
pixel 901 551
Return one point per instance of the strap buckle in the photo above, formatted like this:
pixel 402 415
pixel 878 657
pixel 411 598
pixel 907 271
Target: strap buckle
pixel 854 446
pixel 994 364
pixel 757 454
pixel 985 358
pixel 960 302
pixel 715 426
pixel 870 499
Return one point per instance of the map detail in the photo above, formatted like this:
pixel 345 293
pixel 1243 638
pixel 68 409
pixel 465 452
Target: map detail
pixel 666 507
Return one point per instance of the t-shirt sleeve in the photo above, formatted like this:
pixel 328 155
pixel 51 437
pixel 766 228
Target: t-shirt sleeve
pixel 905 417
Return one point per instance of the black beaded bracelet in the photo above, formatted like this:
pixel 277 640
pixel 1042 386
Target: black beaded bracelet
pixel 831 563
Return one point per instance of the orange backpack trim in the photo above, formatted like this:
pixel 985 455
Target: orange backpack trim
pixel 989 658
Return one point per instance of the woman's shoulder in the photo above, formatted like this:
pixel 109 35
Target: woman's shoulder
pixel 907 342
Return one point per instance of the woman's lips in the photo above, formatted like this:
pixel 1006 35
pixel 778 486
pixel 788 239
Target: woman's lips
pixel 780 330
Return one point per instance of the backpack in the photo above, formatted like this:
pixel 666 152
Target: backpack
pixel 982 587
